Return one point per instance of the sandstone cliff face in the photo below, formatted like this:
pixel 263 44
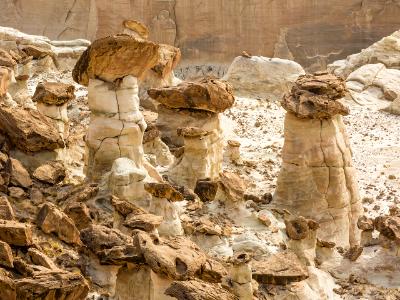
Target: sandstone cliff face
pixel 208 30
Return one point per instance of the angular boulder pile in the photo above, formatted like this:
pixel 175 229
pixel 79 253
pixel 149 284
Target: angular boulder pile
pixel 116 125
pixel 317 178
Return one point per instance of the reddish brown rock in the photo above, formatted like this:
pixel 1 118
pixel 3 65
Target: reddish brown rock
pixel 208 94
pixel 163 190
pixel 19 175
pixel 51 220
pixel 51 172
pixel 282 268
pixel 107 58
pixel 6 211
pixel 6 257
pixel 316 97
pixel 198 290
pixel 54 93
pixel 29 130
pixel 15 233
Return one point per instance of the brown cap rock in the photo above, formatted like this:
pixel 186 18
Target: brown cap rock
pixel 388 226
pixel 163 190
pixel 115 57
pixel 191 132
pixel 54 93
pixel 316 97
pixel 137 27
pixel 208 94
pixel 365 223
pixel 298 228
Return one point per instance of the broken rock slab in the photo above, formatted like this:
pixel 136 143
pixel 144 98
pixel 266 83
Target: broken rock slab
pixel 6 211
pixel 6 257
pixel 16 233
pixel 52 172
pixel 54 93
pixel 51 220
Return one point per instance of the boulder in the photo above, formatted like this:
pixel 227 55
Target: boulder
pixel 6 211
pixel 126 208
pixel 281 269
pixel 198 290
pixel 6 256
pixel 170 56
pixel 80 214
pixel 29 130
pixel 207 94
pixel 258 76
pixel 163 190
pixel 206 189
pixel 52 172
pixel 15 233
pixel 106 59
pixel 316 97
pixel 51 220
pixel 298 228
pixel 54 93
pixel 145 222
pixel 19 175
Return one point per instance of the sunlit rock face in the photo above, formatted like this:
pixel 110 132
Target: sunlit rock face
pixel 317 178
pixel 286 29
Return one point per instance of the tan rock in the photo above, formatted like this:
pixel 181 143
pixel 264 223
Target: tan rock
pixel 207 94
pixel 6 59
pixel 231 187
pixel 6 257
pixel 29 130
pixel 15 233
pixel 120 255
pixel 41 259
pixel 54 93
pixel 7 288
pixel 98 238
pixel 5 78
pixel 105 59
pixel 6 211
pixel 282 268
pixel 136 27
pixel 37 52
pixel 198 290
pixel 80 214
pixel 316 97
pixel 126 208
pixel 19 175
pixel 145 222
pixel 169 58
pixel 51 220
pixel 52 172
pixel 53 286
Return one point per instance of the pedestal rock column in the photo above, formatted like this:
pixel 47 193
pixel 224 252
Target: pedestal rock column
pixel 110 68
pixel 317 179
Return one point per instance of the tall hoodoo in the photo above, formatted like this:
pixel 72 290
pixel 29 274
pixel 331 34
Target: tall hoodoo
pixel 110 68
pixel 317 178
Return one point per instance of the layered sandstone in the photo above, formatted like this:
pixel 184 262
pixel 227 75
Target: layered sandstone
pixel 317 178
pixel 285 29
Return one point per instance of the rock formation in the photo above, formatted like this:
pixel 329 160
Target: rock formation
pixel 116 127
pixel 258 76
pixel 52 99
pixel 317 178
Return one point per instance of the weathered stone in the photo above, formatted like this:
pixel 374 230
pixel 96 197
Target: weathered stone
pixel 51 172
pixel 15 233
pixel 177 257
pixel 6 60
pixel 136 27
pixel 6 211
pixel 51 220
pixel 54 93
pixel 146 222
pixel 7 288
pixel 41 259
pixel 388 226
pixel 80 214
pixel 163 190
pixel 29 130
pixel 231 187
pixel 298 228
pixel 120 255
pixel 19 175
pixel 106 59
pixel 98 238
pixel 5 79
pixel 365 223
pixel 213 271
pixel 52 286
pixel 282 268
pixel 316 97
pixel 354 252
pixel 37 52
pixel 206 189
pixel 258 76
pixel 169 59
pixel 198 290
pixel 207 94
pixel 6 257
pixel 126 208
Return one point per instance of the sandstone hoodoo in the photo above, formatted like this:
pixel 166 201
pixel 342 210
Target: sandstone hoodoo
pixel 116 125
pixel 317 178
